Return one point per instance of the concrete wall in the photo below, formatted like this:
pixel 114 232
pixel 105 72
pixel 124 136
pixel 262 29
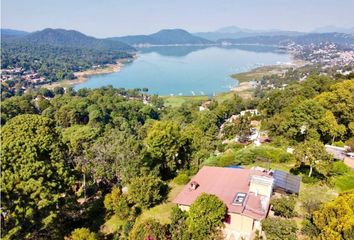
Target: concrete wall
pixel 239 223
pixel 261 185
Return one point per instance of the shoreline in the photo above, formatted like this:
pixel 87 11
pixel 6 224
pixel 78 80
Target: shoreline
pixel 83 76
pixel 245 88
pixel 246 81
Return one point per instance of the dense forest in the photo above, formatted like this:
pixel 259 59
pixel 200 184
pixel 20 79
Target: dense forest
pixel 53 55
pixel 91 164
pixel 55 63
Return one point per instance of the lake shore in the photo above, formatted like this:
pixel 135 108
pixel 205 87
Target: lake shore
pixel 246 79
pixel 82 76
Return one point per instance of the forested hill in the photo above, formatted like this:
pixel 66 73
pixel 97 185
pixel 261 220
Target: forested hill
pixel 71 38
pixel 11 33
pixel 164 37
pixel 55 54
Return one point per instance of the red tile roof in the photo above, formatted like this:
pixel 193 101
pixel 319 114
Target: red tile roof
pixel 225 183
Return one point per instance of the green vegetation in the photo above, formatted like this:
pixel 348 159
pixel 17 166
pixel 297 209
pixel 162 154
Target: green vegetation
pixel 335 219
pixel 34 175
pixel 163 211
pixel 82 234
pixel 101 159
pixel 148 229
pixel 178 101
pixel 205 216
pixel 345 182
pixel 146 191
pixel 279 229
pixel 284 206
pixel 55 55
pixel 258 73
pixel 250 155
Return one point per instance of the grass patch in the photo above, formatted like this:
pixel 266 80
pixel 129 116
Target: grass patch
pixel 177 101
pixel 162 212
pixel 345 182
pixel 251 155
pixel 112 225
pixel 257 73
pixel 221 97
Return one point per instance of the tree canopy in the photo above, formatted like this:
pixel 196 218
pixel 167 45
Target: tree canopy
pixel 35 177
pixel 206 215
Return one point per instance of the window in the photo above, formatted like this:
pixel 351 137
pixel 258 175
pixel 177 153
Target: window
pixel 239 199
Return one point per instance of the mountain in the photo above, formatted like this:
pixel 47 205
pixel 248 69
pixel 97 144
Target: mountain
pixel 10 33
pixel 214 36
pixel 234 29
pixel 331 29
pixel 164 37
pixel 341 39
pixel 71 38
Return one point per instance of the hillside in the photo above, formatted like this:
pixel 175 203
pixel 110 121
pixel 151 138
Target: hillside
pixel 164 37
pixel 71 38
pixel 11 33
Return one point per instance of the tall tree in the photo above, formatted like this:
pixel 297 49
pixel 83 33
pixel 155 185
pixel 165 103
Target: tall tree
pixel 206 216
pixel 35 178
pixel 312 153
pixel 165 144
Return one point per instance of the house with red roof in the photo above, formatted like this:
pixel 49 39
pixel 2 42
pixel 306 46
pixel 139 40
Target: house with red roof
pixel 245 192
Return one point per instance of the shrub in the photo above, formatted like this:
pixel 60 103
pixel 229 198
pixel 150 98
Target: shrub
pixel 181 179
pixel 335 219
pixel 309 229
pixel 148 229
pixel 313 197
pixel 338 168
pixel 284 206
pixel 309 180
pixel 117 203
pixel 206 215
pixel 338 144
pixel 279 229
pixel 82 234
pixel 178 227
pixel 147 191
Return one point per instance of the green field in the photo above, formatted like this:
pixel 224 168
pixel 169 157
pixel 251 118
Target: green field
pixel 177 101
pixel 345 182
pixel 257 73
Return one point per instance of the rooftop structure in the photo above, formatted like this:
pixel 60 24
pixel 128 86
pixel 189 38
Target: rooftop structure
pixel 287 182
pixel 244 191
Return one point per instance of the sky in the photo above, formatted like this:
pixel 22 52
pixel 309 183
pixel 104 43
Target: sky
pixel 109 18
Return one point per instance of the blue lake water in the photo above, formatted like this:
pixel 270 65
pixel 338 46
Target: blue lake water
pixel 188 70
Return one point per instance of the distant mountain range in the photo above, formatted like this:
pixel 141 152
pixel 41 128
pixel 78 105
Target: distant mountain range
pixel 63 38
pixel 164 37
pixel 10 33
pixel 328 29
pixel 341 39
pixel 234 32
pixel 229 35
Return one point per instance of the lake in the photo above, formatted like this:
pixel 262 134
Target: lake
pixel 188 70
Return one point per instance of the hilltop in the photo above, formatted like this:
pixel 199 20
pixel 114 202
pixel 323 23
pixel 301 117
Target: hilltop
pixel 72 38
pixel 164 37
